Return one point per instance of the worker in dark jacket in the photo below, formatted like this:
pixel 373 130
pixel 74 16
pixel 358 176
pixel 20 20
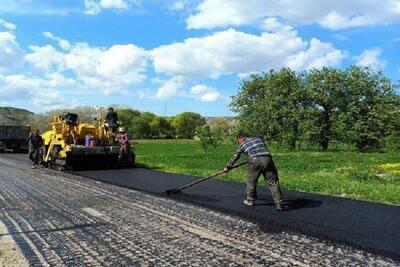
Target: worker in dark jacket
pixel 259 163
pixel 35 146
pixel 111 120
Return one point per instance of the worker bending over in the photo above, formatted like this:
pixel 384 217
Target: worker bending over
pixel 259 163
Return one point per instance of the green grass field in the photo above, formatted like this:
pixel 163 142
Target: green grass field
pixel 367 176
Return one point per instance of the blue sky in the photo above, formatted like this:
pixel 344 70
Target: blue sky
pixel 179 55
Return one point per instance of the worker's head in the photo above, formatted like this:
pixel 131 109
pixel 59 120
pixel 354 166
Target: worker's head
pixel 240 137
pixel 121 130
pixel 36 131
pixel 110 109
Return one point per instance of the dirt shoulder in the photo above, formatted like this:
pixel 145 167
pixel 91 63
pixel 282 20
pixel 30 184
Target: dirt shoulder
pixel 10 253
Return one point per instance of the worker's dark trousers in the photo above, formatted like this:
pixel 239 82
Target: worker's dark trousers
pixel 36 156
pixel 263 166
pixel 31 154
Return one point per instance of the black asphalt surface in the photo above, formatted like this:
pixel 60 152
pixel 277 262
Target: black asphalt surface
pixel 373 227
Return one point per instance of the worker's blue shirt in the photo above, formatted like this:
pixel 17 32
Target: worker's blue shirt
pixel 252 147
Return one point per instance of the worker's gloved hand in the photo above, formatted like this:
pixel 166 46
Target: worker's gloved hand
pixel 227 168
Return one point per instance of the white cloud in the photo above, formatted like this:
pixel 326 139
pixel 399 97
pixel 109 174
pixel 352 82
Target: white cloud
pixel 83 59
pixel 226 52
pixel 169 88
pixel 371 58
pixel 205 93
pixel 273 25
pixel 64 44
pixel 44 92
pixel 11 54
pixel 339 14
pixel 318 55
pixel 235 52
pixel 122 65
pixel 111 70
pixel 178 5
pixel 46 58
pixel 52 71
pixel 94 7
pixel 144 94
pixel 51 99
pixel 16 87
pixel 336 21
pixel 38 7
pixel 7 25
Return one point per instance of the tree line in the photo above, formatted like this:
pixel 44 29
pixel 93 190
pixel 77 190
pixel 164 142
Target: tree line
pixel 143 125
pixel 186 125
pixel 147 125
pixel 355 106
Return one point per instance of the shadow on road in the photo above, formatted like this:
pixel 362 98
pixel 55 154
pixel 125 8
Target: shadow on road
pixel 303 203
pixel 294 204
pixel 196 197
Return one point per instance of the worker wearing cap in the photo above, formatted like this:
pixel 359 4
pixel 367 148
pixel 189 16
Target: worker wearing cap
pixel 259 163
pixel 122 136
pixel 111 120
pixel 35 145
pixel 123 140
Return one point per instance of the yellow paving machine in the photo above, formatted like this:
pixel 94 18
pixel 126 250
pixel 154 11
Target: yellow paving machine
pixel 71 144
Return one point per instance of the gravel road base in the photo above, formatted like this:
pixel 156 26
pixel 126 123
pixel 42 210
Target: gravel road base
pixel 10 253
pixel 59 219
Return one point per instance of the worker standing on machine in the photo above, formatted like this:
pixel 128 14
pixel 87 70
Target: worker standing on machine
pixel 111 120
pixel 35 146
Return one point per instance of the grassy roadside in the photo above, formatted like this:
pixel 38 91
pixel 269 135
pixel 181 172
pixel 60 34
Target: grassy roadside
pixel 370 176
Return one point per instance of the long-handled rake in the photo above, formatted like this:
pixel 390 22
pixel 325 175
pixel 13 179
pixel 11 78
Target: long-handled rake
pixel 179 189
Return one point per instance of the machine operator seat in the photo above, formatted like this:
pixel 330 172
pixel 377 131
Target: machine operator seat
pixel 71 119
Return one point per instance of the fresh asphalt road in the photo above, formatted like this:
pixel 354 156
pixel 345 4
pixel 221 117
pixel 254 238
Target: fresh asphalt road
pixel 371 226
pixel 55 218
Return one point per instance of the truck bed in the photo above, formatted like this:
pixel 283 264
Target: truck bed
pixel 13 137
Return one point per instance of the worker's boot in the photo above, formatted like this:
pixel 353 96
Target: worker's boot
pixel 281 207
pixel 248 202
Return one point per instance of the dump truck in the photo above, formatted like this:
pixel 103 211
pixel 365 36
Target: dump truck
pixel 14 138
pixel 71 144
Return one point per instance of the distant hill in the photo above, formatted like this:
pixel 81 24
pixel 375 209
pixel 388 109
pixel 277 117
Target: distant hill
pixel 15 116
pixel 209 119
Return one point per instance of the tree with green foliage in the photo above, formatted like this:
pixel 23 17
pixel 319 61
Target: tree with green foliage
pixel 221 127
pixel 161 127
pixel 356 106
pixel 326 90
pixel 185 124
pixel 207 139
pixel 392 140
pixel 271 105
pixel 127 116
pixel 148 116
pixel 141 128
pixel 371 106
